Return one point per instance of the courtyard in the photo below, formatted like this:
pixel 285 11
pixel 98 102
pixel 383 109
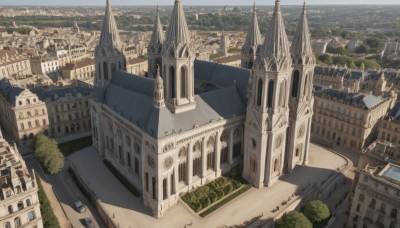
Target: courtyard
pixel 129 211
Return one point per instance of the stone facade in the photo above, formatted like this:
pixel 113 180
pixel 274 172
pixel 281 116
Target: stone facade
pixel 192 121
pixel 376 201
pixel 12 64
pixel 339 78
pixel 44 65
pixel 348 119
pixel 19 202
pixel 83 69
pixel 137 66
pixel 23 114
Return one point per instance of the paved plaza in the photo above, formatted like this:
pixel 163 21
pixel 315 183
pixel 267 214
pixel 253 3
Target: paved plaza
pixel 129 211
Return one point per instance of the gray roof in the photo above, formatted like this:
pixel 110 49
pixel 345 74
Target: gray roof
pixel 392 172
pixel 45 93
pixel 9 92
pixel 365 101
pixel 132 97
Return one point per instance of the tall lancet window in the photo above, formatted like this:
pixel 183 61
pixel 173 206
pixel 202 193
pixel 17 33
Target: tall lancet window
pixel 270 94
pixel 259 92
pixel 105 71
pixel 183 83
pixel 295 85
pixel 307 86
pixel 282 94
pixel 172 81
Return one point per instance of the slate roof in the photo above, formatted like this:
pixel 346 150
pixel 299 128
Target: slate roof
pixel 55 93
pixel 132 97
pixel 340 72
pixel 365 101
pixel 9 92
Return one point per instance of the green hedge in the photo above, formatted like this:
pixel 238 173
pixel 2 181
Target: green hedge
pixel 70 147
pixel 122 179
pixel 224 201
pixel 49 219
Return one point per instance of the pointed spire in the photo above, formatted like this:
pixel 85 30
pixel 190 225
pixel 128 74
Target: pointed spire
pixel 178 31
pixel 157 36
pixel 158 99
pixel 301 46
pixel 276 45
pixel 253 34
pixel 109 36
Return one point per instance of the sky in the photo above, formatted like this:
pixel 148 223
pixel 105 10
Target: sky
pixel 194 2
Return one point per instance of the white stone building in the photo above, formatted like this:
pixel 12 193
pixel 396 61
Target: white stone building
pixel 192 120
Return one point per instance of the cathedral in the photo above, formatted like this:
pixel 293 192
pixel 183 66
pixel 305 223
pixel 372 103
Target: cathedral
pixel 191 121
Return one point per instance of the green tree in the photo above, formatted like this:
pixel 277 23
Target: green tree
pixel 293 219
pixel 376 44
pixel 363 48
pixel 316 211
pixel 343 60
pixel 48 154
pixel 326 58
pixel 367 64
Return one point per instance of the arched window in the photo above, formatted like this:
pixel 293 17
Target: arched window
pixel 276 165
pixel 164 189
pixel 20 205
pixel 250 65
pixel 28 202
pixel 7 225
pixel 172 81
pixel 282 94
pixel 17 222
pixel 251 51
pixel 105 71
pixel 183 83
pixel 259 91
pixel 28 101
pixel 10 209
pixel 270 94
pixel 153 182
pixel 98 70
pixel 373 203
pixel 295 84
pixel 22 126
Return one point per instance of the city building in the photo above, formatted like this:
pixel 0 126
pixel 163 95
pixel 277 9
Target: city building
pixel 20 206
pixel 233 60
pixel 224 44
pixel 137 66
pixel 197 120
pixel 389 127
pixel 12 64
pixel 23 114
pixel 376 201
pixel 348 119
pixel 44 65
pixel 67 108
pixel 83 69
pixel 339 78
pixel 375 83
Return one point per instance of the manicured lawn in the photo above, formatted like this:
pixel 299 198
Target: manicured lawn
pixel 70 147
pixel 216 193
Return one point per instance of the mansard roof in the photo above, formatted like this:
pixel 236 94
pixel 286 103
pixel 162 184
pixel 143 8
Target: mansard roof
pixel 132 97
pixel 361 100
pixel 53 94
pixel 10 92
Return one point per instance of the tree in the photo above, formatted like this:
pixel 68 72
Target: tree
pixel 326 58
pixel 367 64
pixel 293 219
pixel 316 211
pixel 363 48
pixel 376 44
pixel 344 60
pixel 48 154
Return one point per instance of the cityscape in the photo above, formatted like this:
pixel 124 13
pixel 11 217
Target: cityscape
pixel 180 114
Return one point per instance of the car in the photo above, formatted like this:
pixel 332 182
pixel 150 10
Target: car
pixel 79 206
pixel 89 223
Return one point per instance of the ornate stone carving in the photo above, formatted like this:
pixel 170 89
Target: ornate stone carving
pixel 278 141
pixel 301 131
pixel 168 147
pixel 168 162
pixel 151 162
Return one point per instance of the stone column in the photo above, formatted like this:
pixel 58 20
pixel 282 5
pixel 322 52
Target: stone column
pixel 217 154
pixel 230 142
pixel 307 143
pixel 203 157
pixel 190 163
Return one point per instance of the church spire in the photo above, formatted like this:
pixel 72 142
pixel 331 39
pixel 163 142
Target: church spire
pixel 109 36
pixel 301 47
pixel 253 35
pixel 276 53
pixel 158 99
pixel 178 31
pixel 157 37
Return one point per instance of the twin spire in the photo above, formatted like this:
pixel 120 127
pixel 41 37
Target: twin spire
pixel 253 35
pixel 109 36
pixel 178 31
pixel 157 37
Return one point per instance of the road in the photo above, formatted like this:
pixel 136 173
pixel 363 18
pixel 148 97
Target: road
pixel 67 193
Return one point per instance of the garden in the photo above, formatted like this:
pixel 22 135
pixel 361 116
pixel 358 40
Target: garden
pixel 213 195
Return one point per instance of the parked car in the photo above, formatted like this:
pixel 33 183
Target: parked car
pixel 89 223
pixel 79 206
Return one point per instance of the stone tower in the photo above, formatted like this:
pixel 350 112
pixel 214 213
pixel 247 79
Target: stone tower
pixel 225 42
pixel 178 63
pixel 108 55
pixel 158 97
pixel 268 107
pixel 301 99
pixel 252 45
pixel 155 47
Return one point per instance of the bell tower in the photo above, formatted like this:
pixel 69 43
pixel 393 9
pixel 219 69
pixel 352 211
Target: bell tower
pixel 252 46
pixel 155 47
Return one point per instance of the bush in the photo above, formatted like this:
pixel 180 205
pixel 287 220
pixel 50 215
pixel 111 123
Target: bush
pixel 68 148
pixel 293 219
pixel 48 154
pixel 219 193
pixel 213 197
pixel 205 201
pixel 220 181
pixel 316 211
pixel 227 189
pixel 49 219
